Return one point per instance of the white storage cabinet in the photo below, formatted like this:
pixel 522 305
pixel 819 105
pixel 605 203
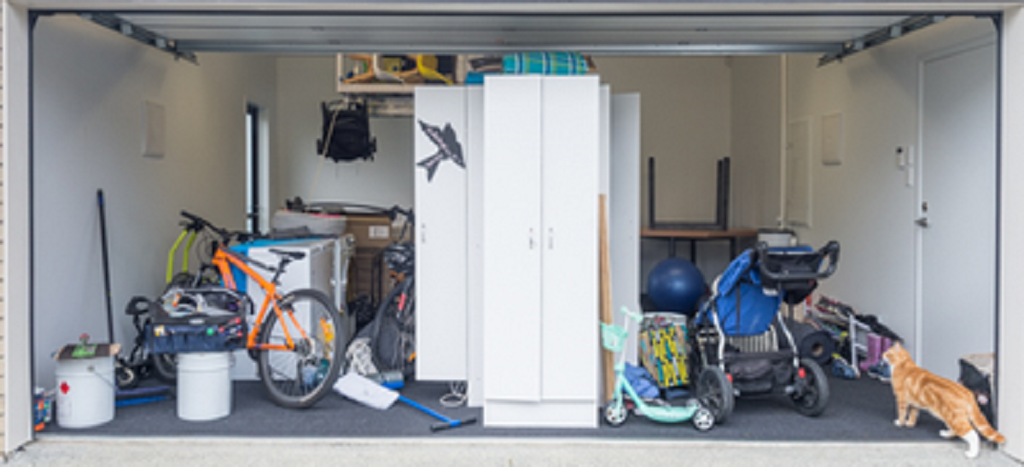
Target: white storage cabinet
pixel 540 251
pixel 446 118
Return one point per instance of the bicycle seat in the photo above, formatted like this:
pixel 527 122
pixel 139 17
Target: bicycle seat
pixel 294 255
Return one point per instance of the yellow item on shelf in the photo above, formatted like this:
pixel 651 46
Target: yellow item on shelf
pixel 426 65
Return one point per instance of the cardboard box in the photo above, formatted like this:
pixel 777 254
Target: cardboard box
pixel 370 230
pixel 366 265
pixel 368 274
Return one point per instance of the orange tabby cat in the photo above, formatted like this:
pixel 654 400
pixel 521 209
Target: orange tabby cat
pixel 915 388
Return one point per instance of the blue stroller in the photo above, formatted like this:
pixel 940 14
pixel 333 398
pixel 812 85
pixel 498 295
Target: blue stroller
pixel 741 341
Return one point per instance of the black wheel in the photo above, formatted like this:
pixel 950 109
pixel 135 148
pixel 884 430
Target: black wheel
pixel 393 338
pixel 703 419
pixel 714 391
pixel 165 366
pixel 300 377
pixel 813 399
pixel 615 413
pixel 127 378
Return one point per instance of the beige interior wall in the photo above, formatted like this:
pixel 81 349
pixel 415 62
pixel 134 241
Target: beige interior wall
pixel 685 126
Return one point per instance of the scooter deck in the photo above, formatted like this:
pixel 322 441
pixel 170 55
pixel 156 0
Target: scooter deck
pixel 669 414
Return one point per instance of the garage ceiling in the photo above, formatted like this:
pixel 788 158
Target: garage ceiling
pixel 598 33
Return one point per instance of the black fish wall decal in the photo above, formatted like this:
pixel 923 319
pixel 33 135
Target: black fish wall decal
pixel 448 147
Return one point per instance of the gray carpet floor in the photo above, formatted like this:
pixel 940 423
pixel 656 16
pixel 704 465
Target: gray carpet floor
pixel 859 410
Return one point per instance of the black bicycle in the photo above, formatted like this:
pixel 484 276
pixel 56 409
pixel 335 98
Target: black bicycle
pixel 393 329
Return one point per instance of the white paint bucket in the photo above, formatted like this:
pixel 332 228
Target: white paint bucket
pixel 776 237
pixel 204 385
pixel 85 392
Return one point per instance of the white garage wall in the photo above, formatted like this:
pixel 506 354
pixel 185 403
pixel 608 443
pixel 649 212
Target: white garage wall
pixel 864 203
pixel 90 86
pixel 302 84
pixel 1010 372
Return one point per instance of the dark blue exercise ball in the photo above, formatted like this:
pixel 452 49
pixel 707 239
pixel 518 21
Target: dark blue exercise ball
pixel 677 285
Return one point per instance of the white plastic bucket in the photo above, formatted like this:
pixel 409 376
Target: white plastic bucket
pixel 776 237
pixel 85 392
pixel 204 385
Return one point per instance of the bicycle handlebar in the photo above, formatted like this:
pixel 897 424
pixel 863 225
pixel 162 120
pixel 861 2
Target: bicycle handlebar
pixel 396 210
pixel 224 234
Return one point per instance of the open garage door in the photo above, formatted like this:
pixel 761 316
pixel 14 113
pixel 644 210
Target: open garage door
pixel 185 31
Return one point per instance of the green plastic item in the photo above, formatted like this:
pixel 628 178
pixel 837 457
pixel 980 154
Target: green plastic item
pixel 84 349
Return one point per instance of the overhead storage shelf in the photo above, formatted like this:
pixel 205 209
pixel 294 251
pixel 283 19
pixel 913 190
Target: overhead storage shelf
pixel 344 65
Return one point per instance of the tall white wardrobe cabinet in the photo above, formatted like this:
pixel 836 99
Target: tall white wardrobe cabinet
pixel 447 126
pixel 540 251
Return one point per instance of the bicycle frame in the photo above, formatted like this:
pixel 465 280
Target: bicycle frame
pixel 223 259
pixel 191 235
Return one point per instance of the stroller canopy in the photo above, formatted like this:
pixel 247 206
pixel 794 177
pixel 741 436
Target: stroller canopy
pixel 743 306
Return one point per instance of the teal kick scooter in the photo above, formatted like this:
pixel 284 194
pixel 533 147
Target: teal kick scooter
pixel 613 337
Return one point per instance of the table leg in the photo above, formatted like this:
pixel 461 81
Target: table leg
pixel 693 251
pixel 732 248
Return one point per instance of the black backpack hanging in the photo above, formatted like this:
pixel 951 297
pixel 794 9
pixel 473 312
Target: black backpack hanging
pixel 346 132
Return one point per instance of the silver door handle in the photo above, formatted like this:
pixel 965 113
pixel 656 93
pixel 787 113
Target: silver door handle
pixel 531 239
pixel 922 221
pixel 551 238
pixel 423 233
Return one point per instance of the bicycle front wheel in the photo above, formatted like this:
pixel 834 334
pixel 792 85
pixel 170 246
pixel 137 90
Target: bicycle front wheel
pixel 299 377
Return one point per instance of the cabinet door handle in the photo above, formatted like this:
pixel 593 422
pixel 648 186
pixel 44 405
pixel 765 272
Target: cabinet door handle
pixel 531 239
pixel 551 238
pixel 423 233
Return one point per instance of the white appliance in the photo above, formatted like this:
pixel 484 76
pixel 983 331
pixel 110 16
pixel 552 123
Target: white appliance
pixel 323 268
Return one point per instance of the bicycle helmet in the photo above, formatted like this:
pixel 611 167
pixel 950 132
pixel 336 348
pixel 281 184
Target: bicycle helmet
pixel 400 257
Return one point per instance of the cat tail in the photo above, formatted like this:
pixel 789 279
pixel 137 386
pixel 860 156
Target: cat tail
pixel 981 424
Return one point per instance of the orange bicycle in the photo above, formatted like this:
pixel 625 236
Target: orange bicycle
pixel 294 337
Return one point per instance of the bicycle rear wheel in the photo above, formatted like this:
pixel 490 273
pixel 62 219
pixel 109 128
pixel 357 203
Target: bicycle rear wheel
pixel 299 378
pixel 394 341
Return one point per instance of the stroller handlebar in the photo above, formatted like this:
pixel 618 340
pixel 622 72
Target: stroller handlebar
pixel 830 251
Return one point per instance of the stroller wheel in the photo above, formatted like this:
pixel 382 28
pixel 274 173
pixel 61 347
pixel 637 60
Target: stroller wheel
pixel 615 413
pixel 813 399
pixel 715 392
pixel 703 419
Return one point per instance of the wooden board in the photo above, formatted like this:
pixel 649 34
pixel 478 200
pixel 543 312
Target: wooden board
pixel 607 357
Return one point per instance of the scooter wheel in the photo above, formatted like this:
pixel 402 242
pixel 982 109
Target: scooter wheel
pixel 703 419
pixel 615 413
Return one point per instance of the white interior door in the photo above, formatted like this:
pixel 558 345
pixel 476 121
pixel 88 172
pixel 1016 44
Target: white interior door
pixel 957 216
pixel 511 268
pixel 441 238
pixel 570 116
